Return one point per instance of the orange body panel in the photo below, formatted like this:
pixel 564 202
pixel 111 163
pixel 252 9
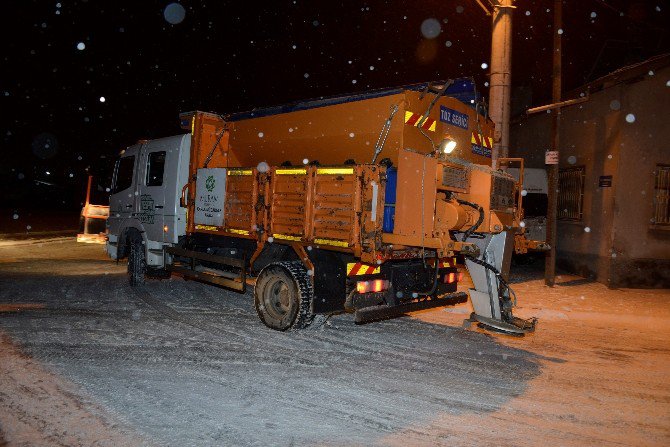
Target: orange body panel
pixel 340 206
pixel 336 133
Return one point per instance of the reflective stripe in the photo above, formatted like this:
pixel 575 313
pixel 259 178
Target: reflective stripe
pixel 358 268
pixel 206 227
pixel 240 172
pixel 236 231
pixel 413 119
pixel 290 171
pixel 480 140
pixel 335 171
pixel 286 237
pixel 331 242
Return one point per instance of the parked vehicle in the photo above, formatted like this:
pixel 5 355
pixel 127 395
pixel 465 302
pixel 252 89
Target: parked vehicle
pixel 533 235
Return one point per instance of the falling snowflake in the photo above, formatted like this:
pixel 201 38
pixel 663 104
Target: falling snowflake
pixel 587 229
pixel 260 134
pixel 81 46
pixel 305 161
pixel 174 13
pixel 102 99
pixel 263 167
pixel 431 28
pixel 560 31
pixel 447 43
pixel 485 65
pixel 630 118
pixel 593 15
pixel 572 159
pixel 351 135
pixel 524 193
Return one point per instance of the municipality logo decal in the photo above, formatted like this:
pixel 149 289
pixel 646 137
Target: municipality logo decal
pixel 209 183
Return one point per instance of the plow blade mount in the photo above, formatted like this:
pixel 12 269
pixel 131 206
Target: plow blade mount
pixel 384 312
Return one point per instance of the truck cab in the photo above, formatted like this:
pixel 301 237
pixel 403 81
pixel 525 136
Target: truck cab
pixel 535 203
pixel 145 212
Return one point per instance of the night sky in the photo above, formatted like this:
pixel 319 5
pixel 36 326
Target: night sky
pixel 61 58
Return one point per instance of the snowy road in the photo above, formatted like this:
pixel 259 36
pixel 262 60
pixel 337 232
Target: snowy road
pixel 86 360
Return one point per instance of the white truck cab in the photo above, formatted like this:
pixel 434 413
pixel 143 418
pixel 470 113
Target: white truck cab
pixel 145 214
pixel 534 202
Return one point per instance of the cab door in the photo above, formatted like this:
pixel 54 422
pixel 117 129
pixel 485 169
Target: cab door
pixel 150 203
pixel 124 185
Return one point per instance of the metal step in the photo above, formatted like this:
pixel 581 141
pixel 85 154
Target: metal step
pixel 384 312
pixel 192 269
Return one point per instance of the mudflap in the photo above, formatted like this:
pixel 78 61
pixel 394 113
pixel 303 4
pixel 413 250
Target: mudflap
pixel 385 312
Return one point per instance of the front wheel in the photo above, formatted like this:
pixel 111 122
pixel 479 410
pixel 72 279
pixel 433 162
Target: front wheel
pixel 137 263
pixel 283 296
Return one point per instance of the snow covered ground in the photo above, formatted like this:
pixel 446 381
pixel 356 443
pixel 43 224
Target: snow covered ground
pixel 86 360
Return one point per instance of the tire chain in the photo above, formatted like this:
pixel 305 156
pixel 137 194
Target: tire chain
pixel 305 289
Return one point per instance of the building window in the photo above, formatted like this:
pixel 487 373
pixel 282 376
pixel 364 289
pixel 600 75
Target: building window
pixel 661 196
pixel 570 193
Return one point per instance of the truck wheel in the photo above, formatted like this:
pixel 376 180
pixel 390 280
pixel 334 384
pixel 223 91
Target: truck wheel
pixel 283 296
pixel 137 263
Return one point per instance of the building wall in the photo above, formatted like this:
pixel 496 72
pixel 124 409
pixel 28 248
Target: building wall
pixel 612 242
pixel 641 254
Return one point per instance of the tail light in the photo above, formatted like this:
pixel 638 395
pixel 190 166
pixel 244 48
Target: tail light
pixel 453 277
pixel 377 285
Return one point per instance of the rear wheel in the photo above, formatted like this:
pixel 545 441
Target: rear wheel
pixel 283 296
pixel 137 263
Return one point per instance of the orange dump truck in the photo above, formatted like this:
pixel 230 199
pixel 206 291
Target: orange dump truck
pixel 356 203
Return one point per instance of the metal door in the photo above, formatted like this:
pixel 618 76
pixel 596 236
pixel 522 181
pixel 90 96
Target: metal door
pixel 150 203
pixel 124 187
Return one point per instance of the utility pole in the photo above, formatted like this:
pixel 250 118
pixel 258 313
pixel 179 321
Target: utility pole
pixel 552 169
pixel 501 77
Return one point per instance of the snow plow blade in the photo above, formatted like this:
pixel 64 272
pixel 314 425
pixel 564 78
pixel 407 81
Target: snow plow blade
pixel 518 326
pixel 383 312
